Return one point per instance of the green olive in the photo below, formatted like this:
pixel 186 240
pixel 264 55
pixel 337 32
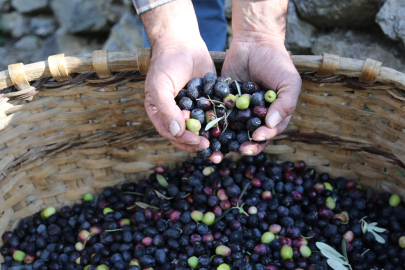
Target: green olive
pixel 270 96
pixel 48 212
pixel 193 262
pixel 209 218
pixel 395 200
pixel 18 256
pixel 267 237
pixel 305 251
pixel 286 252
pixel 107 210
pixel 223 266
pixel 88 197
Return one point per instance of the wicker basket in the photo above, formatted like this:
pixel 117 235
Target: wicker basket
pixel 73 125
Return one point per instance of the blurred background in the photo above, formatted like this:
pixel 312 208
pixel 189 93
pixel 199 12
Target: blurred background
pixel 31 30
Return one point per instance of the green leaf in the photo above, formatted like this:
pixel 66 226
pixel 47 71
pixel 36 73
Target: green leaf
pixel 162 196
pixel 364 226
pixel 229 112
pixel 237 86
pixel 209 99
pixel 370 192
pixel 213 123
pixel 378 229
pixel 344 251
pixel 329 252
pixel 133 193
pixel 336 265
pixel 162 181
pixel 221 216
pixel 145 205
pixel 243 192
pixel 378 238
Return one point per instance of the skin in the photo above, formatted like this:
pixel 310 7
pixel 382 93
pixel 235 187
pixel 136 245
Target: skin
pixel 257 54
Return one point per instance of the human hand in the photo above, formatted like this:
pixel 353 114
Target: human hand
pixel 260 56
pixel 179 54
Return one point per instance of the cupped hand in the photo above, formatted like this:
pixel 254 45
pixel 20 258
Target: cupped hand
pixel 172 66
pixel 268 64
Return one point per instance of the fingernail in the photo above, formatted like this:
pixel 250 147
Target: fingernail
pixel 174 128
pixel 192 143
pixel 247 153
pixel 199 148
pixel 274 119
pixel 261 138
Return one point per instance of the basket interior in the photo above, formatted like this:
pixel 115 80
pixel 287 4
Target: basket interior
pixel 67 138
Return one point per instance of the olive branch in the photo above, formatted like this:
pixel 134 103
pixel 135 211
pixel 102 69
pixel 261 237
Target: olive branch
pixel 335 260
pixel 372 227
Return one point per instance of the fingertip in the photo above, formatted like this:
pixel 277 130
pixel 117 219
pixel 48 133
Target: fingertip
pixel 252 149
pixel 216 157
pixel 261 134
pixel 204 143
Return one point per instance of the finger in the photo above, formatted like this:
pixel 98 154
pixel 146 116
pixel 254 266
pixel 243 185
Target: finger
pixel 204 144
pixel 187 137
pixel 160 93
pixel 216 157
pixel 252 149
pixel 285 103
pixel 264 133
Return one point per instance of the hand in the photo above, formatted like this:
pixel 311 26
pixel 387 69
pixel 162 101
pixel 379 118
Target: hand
pixel 268 64
pixel 178 55
pixel 258 54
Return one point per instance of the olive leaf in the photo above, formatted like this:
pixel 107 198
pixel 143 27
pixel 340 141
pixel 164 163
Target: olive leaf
pixel 213 123
pixel 21 267
pixel 229 112
pixel 134 193
pixel 243 193
pixel 238 87
pixel 211 100
pixel 145 205
pixel 116 230
pixel 221 216
pixel 336 265
pixel 344 251
pixel 372 227
pixel 369 193
pixel 162 181
pixel 162 196
pixel 335 260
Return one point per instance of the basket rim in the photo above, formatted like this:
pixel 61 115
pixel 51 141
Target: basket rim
pixel 129 61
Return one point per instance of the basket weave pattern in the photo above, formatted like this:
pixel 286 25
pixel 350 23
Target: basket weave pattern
pixel 74 125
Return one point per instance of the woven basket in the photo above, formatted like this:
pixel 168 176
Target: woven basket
pixel 74 125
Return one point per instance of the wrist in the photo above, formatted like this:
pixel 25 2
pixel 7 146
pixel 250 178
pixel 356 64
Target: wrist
pixel 259 20
pixel 172 23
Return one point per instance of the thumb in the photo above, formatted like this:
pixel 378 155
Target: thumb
pixel 284 105
pixel 169 112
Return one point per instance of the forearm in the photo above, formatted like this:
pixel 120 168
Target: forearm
pixel 253 20
pixel 174 21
